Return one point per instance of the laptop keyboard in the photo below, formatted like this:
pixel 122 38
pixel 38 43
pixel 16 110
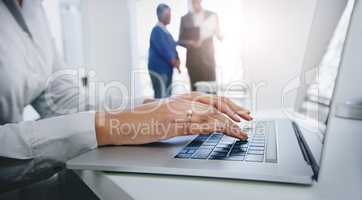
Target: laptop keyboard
pixel 260 147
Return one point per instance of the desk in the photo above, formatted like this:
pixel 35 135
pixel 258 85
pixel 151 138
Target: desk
pixel 136 186
pixel 344 183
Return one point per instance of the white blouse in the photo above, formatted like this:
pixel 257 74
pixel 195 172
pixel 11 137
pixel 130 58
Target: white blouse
pixel 25 67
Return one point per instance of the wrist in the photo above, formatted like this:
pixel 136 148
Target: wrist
pixel 102 133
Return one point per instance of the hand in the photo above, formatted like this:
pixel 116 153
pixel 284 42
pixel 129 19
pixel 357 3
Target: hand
pixel 195 44
pixel 176 64
pixel 162 120
pixel 223 104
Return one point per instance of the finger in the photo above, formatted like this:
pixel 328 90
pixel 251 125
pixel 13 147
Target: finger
pixel 203 128
pixel 234 130
pixel 242 112
pixel 244 115
pixel 215 126
pixel 195 119
pixel 225 108
pixel 227 126
pixel 201 123
pixel 235 106
pixel 218 103
pixel 191 125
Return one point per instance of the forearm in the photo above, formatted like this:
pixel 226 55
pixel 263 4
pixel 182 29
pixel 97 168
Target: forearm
pixel 109 131
pixel 125 128
pixel 186 43
pixel 59 138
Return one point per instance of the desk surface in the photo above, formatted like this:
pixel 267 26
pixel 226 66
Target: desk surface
pixel 142 186
pixel 138 186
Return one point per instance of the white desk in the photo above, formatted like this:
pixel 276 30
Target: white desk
pixel 342 182
pixel 135 186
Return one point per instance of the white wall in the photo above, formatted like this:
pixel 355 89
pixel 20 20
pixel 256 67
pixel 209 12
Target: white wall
pixel 276 35
pixel 66 27
pixel 52 11
pixel 108 39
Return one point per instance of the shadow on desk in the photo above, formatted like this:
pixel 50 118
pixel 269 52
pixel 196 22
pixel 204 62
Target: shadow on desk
pixel 40 179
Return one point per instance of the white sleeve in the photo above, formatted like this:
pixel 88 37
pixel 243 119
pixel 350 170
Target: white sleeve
pixel 65 132
pixel 209 28
pixel 66 128
pixel 59 138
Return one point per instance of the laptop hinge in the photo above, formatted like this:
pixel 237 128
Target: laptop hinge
pixel 306 151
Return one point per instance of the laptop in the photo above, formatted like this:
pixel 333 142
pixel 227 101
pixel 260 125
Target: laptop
pixel 284 150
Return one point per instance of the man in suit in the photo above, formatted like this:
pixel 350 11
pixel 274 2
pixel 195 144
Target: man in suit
pixel 197 31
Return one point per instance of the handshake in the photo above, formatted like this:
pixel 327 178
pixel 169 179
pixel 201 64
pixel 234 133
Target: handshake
pixel 189 44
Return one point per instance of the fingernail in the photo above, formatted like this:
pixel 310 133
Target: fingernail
pixel 243 134
pixel 244 139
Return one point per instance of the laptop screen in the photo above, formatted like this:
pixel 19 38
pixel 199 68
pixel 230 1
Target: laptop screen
pixel 315 107
pixel 318 97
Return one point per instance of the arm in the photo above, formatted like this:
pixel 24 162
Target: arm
pixel 183 41
pixel 163 47
pixel 211 28
pixel 62 132
pixel 59 138
pixel 219 34
pixel 65 131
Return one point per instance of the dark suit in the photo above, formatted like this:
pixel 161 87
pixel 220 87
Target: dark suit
pixel 200 62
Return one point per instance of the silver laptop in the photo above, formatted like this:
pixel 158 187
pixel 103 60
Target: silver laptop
pixel 278 150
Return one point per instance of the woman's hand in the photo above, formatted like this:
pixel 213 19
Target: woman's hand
pixel 176 64
pixel 158 121
pixel 223 104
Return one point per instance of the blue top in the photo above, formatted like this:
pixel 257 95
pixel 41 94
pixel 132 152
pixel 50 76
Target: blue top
pixel 162 51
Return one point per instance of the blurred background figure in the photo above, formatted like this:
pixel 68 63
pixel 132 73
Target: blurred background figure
pixel 197 31
pixel 163 56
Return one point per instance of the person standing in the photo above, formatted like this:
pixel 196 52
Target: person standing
pixel 197 31
pixel 163 56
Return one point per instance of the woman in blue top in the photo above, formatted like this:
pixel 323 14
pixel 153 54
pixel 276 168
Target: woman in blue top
pixel 163 56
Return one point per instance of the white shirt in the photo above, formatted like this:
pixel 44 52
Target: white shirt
pixel 208 26
pixel 198 18
pixel 163 27
pixel 25 67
